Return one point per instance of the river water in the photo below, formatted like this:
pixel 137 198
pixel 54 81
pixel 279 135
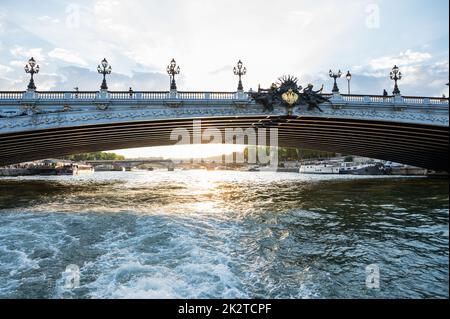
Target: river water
pixel 198 234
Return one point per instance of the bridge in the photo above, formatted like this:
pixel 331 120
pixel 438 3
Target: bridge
pixel 410 130
pixel 36 125
pixel 169 164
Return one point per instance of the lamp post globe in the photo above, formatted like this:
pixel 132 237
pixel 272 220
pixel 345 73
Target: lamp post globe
pixel 349 78
pixel 240 70
pixel 104 68
pixel 396 76
pixel 173 70
pixel 335 76
pixel 31 68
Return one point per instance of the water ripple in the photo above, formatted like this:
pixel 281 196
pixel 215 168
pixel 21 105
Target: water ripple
pixel 223 235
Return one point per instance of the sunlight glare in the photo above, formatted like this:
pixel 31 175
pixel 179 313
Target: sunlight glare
pixel 182 151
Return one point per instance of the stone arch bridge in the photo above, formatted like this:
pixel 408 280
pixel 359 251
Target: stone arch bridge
pixel 37 125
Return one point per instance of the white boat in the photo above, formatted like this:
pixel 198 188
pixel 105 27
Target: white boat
pixel 363 169
pixel 319 169
pixel 47 168
pixel 81 169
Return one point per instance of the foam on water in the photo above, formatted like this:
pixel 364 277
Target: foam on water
pixel 220 235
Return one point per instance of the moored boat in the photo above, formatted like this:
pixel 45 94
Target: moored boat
pixel 46 168
pixel 363 169
pixel 319 169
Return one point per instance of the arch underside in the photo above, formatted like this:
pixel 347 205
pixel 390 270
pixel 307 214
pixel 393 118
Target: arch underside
pixel 418 145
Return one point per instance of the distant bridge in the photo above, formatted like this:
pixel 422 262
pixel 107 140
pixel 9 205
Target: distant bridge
pixel 132 163
pixel 37 125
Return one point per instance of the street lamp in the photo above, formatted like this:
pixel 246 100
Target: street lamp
pixel 335 76
pixel 240 71
pixel 31 68
pixel 396 76
pixel 172 70
pixel 349 78
pixel 104 69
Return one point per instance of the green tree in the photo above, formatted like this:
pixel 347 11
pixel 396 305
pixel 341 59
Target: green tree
pixel 97 156
pixel 294 154
pixel 348 159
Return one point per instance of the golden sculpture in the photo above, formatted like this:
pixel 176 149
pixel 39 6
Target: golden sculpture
pixel 290 97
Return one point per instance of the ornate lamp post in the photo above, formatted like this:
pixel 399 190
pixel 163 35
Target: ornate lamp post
pixel 240 71
pixel 104 69
pixel 396 75
pixel 335 76
pixel 31 68
pixel 172 70
pixel 349 78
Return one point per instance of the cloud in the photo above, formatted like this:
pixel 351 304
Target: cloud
pixel 21 52
pixel 88 80
pixel 226 68
pixel 46 81
pixel 66 56
pixel 48 19
pixel 423 74
pixel 17 63
pixel 405 59
pixel 5 69
pixel 305 39
pixel 300 18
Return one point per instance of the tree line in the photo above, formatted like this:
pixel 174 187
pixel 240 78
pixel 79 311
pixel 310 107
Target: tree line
pixel 97 156
pixel 295 154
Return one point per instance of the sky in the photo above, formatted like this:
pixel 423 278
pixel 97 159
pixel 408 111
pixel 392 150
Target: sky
pixel 208 37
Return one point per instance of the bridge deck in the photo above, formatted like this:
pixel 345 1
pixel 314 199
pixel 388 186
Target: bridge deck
pixel 411 130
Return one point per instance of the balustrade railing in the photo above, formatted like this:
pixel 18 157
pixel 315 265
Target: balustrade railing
pixel 223 95
pixel 11 95
pixel 425 100
pixel 381 99
pixel 66 95
pixel 83 95
pixel 155 95
pixel 439 100
pixel 51 95
pixel 207 95
pixel 215 96
pixel 354 98
pixel 122 95
pixel 413 100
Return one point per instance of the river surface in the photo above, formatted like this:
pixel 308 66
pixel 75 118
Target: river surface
pixel 198 234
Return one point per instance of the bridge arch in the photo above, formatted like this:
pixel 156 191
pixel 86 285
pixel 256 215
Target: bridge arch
pixel 400 129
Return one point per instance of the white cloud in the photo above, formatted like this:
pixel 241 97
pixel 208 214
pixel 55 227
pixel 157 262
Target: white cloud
pixel 66 56
pixel 17 63
pixel 286 37
pixel 404 59
pixel 422 74
pixel 300 18
pixel 46 82
pixel 19 82
pixel 21 52
pixel 5 69
pixel 48 19
pixel 441 67
pixel 105 7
